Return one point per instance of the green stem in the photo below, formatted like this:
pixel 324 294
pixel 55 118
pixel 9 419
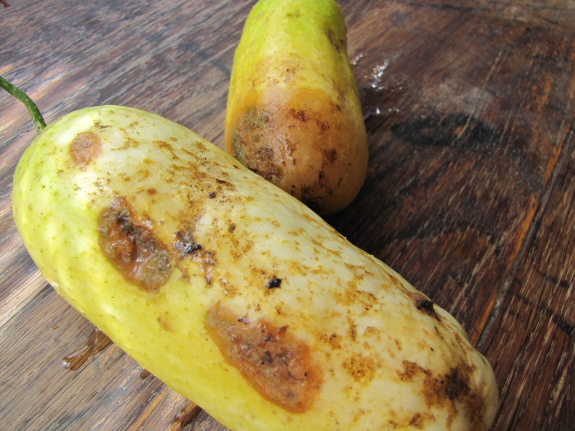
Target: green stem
pixel 25 99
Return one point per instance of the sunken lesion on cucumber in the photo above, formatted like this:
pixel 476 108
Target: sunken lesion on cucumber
pixel 338 43
pixel 132 247
pixel 424 304
pixel 84 148
pixel 294 146
pixel 275 362
pixel 451 390
pixel 251 144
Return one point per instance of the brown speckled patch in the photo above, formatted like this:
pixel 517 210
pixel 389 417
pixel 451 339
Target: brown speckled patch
pixel 132 247
pixel 333 340
pixel 450 391
pixel 421 420
pixel 275 362
pixel 361 368
pixel 251 146
pixel 352 295
pixel 85 147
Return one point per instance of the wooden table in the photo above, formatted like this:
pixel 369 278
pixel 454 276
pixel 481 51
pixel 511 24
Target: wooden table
pixel 470 194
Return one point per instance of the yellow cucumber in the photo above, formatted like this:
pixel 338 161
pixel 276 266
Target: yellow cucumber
pixel 293 113
pixel 233 292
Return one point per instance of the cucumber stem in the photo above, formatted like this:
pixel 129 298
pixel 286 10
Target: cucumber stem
pixel 27 101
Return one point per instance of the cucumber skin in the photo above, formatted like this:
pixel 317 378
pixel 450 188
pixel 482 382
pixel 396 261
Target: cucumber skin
pixel 384 359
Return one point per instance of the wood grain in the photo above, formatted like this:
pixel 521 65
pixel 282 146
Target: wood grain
pixel 469 107
pixel 535 322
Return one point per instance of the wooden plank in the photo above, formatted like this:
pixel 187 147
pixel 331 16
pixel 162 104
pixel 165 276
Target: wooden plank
pixel 530 342
pixel 473 115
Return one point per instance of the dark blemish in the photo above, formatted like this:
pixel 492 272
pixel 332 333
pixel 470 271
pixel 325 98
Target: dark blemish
pixel 298 115
pixel 232 227
pixel 101 126
pixel 411 370
pixel 323 125
pixel 266 117
pixel 445 390
pixel 454 386
pixel 267 358
pixel 265 164
pixel 212 195
pixel 330 156
pixel 274 361
pixel 418 420
pixel 427 307
pixel 267 152
pixel 185 243
pixel 424 304
pixel 4 3
pixel 352 332
pixel 274 283
pixel 337 43
pixel 152 191
pixel 132 247
pixel 250 144
pixel 85 147
pixel 440 130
